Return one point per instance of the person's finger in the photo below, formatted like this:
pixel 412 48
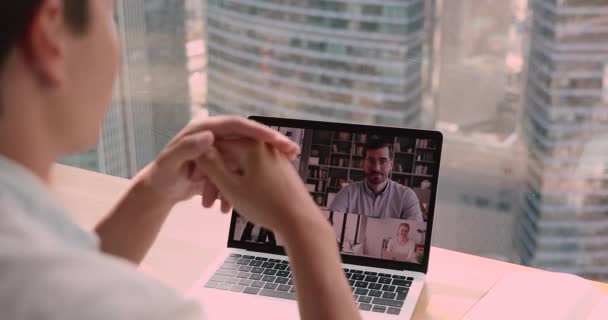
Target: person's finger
pixel 196 189
pixel 293 155
pixel 234 126
pixel 186 149
pixel 197 174
pixel 213 164
pixel 210 193
pixel 234 151
pixel 227 126
pixel 201 115
pixel 233 154
pixel 226 206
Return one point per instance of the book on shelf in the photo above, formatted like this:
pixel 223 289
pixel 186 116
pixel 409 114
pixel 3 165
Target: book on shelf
pixel 424 143
pixel 359 151
pixel 398 167
pixel 320 186
pixel 344 136
pixel 362 138
pixel 313 161
pixel 427 156
pixel 400 180
pixel 336 182
pixel 311 173
pixel 340 162
pixel 421 169
pixel 323 173
pixel 316 173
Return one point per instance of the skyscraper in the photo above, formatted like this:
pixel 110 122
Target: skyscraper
pixel 564 220
pixel 334 60
pixel 166 48
pixel 151 100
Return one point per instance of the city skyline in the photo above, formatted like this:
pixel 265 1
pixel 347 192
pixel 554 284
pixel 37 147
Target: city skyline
pixel 563 223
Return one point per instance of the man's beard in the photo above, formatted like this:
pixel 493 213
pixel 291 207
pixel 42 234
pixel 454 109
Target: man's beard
pixel 376 178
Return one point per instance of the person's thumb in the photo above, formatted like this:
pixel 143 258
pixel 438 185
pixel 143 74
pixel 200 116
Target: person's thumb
pixel 188 148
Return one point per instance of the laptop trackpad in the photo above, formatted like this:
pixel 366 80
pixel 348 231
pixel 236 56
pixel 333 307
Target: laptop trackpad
pixel 220 304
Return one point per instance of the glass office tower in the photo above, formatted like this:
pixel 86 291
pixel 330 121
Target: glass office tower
pixel 125 144
pixel 358 61
pixel 564 220
pixel 151 99
pixel 167 64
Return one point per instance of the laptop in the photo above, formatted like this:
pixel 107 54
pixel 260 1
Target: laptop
pixel 384 235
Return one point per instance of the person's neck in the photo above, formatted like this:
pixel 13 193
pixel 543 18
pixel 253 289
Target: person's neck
pixel 26 148
pixel 25 139
pixel 377 188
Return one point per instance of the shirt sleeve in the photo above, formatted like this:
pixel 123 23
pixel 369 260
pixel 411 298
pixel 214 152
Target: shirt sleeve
pixel 340 203
pixel 411 207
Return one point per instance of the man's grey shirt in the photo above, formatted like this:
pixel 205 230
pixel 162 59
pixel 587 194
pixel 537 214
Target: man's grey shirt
pixel 395 201
pixel 52 269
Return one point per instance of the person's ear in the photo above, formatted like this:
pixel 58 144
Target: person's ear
pixel 45 43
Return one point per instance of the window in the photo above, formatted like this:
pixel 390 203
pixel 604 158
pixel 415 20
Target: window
pixel 518 87
pixel 372 10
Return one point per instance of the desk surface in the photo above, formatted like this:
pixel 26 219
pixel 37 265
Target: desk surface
pixel 193 236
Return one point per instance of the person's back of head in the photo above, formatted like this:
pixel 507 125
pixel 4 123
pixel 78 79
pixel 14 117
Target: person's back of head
pixel 17 16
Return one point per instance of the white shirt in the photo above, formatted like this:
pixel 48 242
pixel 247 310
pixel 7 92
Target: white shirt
pixel 52 269
pixel 408 249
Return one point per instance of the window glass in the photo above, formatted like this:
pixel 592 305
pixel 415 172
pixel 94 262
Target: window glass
pixel 519 88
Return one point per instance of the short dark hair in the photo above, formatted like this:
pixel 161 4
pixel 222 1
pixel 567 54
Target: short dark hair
pixel 16 17
pixel 376 144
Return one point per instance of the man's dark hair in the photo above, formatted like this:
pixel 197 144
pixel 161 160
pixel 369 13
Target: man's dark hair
pixel 16 17
pixel 375 144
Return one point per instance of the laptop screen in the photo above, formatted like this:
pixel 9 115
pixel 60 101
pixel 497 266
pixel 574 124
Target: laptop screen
pixel 375 189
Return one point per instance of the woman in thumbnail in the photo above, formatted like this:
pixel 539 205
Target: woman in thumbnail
pixel 401 247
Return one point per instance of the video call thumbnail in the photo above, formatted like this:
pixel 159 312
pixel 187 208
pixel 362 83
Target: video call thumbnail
pixel 359 235
pixel 374 189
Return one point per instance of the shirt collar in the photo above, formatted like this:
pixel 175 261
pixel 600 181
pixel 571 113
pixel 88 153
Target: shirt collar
pixel 33 196
pixel 371 192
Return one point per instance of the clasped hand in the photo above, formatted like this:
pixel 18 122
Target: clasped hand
pixel 246 161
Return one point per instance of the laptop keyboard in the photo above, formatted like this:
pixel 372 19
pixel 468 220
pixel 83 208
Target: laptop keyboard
pixel 376 292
